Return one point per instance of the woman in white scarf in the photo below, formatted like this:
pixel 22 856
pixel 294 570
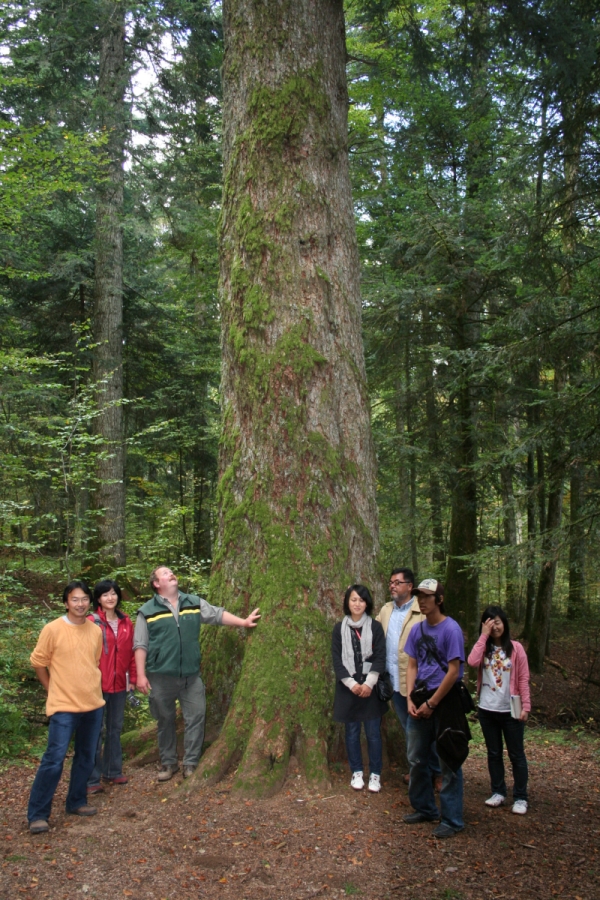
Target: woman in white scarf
pixel 358 651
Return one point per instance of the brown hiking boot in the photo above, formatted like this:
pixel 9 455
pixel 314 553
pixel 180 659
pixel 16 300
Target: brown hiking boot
pixel 38 826
pixel 83 811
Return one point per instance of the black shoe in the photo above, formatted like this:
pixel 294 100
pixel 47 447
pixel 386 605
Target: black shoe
pixel 445 831
pixel 416 818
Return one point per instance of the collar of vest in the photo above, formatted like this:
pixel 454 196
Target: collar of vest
pixel 158 605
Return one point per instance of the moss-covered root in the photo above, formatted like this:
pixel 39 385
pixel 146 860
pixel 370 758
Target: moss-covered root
pixel 263 761
pixel 140 746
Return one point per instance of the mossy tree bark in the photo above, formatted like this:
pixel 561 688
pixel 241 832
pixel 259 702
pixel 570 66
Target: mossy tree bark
pixel 109 497
pixel 298 519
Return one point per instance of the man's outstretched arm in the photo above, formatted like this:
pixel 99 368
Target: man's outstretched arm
pixel 251 622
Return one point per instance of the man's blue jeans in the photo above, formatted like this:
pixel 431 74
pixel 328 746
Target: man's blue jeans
pixel 421 733
pixel 109 756
pixel 401 707
pixel 374 745
pixel 86 726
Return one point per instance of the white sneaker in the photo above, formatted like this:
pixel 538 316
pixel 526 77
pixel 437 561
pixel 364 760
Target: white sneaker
pixel 520 807
pixel 357 782
pixel 375 783
pixel 495 800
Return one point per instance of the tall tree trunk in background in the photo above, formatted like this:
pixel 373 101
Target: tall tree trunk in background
pixel 574 124
pixel 297 511
pixel 434 448
pixel 462 579
pixel 551 538
pixel 411 486
pixel 108 291
pixel 576 544
pixel 202 504
pixel 513 604
pixel 531 554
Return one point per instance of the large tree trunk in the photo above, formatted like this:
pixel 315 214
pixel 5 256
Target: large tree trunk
pixel 109 497
pixel 297 518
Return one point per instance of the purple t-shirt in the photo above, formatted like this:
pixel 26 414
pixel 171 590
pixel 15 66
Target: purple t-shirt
pixel 447 638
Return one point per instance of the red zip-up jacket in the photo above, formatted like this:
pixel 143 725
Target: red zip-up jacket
pixel 117 658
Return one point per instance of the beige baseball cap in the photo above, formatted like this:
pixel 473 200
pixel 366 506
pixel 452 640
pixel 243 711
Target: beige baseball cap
pixel 429 586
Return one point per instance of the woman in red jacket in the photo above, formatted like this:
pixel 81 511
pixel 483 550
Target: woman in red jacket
pixel 117 664
pixel 504 704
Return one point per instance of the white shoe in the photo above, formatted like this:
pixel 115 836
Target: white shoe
pixel 358 781
pixel 495 800
pixel 374 783
pixel 520 807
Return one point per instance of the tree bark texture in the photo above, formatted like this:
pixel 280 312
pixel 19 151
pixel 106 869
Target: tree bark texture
pixel 462 578
pixel 531 553
pixel 513 595
pixel 540 629
pixel 435 455
pixel 576 544
pixel 108 290
pixel 297 512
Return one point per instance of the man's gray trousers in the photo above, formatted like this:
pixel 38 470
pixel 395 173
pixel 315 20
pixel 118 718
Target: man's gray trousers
pixel 166 689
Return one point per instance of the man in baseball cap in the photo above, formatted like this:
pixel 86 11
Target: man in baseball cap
pixel 436 654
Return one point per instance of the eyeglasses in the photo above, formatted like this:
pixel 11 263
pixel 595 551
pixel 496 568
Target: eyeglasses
pixel 396 581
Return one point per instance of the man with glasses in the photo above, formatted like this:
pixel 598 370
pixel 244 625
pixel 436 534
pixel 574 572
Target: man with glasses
pixel 397 618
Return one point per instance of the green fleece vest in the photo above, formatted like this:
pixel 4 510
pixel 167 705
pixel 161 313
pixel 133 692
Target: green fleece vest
pixel 173 647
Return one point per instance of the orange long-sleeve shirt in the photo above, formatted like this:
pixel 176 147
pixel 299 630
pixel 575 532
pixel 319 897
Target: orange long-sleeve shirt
pixel 72 654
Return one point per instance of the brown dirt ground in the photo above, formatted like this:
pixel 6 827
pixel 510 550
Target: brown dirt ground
pixel 149 842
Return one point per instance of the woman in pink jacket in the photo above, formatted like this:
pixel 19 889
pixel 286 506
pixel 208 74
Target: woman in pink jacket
pixel 504 704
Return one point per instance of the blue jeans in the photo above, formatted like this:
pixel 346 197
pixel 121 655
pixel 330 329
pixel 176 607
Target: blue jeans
pixel 374 745
pixel 421 733
pixel 401 707
pixel 109 763
pixel 495 725
pixel 86 727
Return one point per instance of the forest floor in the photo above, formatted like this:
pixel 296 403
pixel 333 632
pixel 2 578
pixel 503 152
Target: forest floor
pixel 150 842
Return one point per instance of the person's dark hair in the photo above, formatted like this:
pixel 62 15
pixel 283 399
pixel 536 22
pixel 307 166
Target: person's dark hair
pixel 103 587
pixel 496 612
pixel 364 593
pixel 406 572
pixel 72 586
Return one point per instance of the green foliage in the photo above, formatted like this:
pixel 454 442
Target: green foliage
pixel 477 284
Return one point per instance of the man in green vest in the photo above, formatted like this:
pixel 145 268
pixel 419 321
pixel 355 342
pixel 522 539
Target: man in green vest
pixel 167 656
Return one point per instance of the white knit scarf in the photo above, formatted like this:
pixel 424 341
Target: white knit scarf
pixel 366 642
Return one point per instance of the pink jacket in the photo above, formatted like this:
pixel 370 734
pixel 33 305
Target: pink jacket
pixel 519 673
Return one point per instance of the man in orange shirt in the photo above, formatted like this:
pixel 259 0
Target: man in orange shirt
pixel 66 659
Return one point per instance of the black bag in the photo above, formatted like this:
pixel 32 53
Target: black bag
pixel 465 697
pixel 384 687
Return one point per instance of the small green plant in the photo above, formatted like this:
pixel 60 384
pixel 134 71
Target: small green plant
pixel 350 888
pixel 451 894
